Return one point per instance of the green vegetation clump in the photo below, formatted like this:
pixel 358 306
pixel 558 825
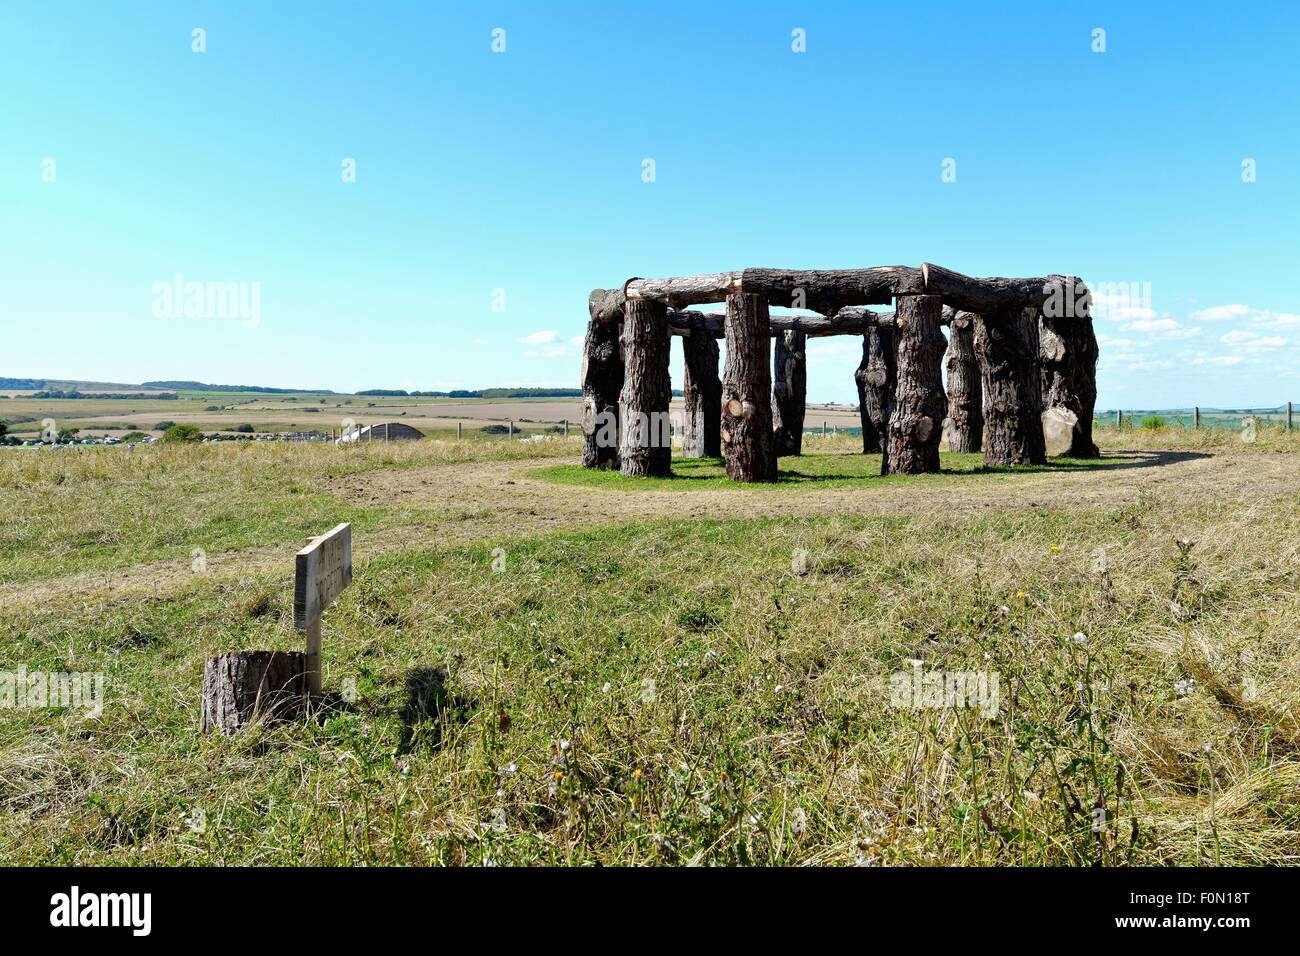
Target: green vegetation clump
pixel 163 426
pixel 1153 423
pixel 183 433
pixel 244 428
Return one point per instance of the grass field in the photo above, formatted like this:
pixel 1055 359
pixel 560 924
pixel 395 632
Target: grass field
pixel 539 664
pixel 217 411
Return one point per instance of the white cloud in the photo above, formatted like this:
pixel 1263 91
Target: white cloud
pixel 1161 328
pixel 1221 313
pixel 1237 336
pixel 540 338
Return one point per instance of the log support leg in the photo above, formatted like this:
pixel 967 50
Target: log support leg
pixel 1006 343
pixel 789 392
pixel 747 441
pixel 964 387
pixel 1067 354
pixel 602 380
pixel 876 378
pixel 916 421
pixel 645 448
pixel 702 394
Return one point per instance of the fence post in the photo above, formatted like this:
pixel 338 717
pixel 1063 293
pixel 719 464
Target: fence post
pixel 1288 416
pixel 566 428
pixel 1119 418
pixel 510 428
pixel 385 431
pixel 823 429
pixel 458 431
pixel 1196 416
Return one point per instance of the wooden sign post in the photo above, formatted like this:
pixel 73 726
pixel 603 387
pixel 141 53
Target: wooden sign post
pixel 323 570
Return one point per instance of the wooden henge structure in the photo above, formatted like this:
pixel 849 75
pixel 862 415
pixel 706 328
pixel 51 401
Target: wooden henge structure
pixel 1021 362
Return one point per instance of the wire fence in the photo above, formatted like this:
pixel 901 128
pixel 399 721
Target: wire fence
pixel 1232 419
pixel 1196 417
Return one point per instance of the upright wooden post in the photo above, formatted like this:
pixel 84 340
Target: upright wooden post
pixel 964 388
pixel 702 396
pixel 916 421
pixel 322 570
pixel 1067 356
pixel 1288 416
pixel 1119 418
pixel 876 379
pixel 602 381
pixel 566 428
pixel 510 428
pixel 747 441
pixel 1196 416
pixel 1006 342
pixel 789 392
pixel 385 432
pixel 458 433
pixel 645 448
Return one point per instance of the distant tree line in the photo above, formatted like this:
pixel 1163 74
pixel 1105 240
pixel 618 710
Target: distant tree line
pixel 478 393
pixel 55 393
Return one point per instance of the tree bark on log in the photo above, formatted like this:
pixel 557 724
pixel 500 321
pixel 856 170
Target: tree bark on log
pixel 789 392
pixel 747 441
pixel 602 381
pixel 242 686
pixel 1006 343
pixel 877 379
pixel 964 386
pixel 1067 354
pixel 702 393
pixel 645 447
pixel 916 422
pixel 826 290
pixel 993 294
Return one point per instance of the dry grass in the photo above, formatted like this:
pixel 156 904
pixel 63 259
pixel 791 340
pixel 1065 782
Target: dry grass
pixel 633 689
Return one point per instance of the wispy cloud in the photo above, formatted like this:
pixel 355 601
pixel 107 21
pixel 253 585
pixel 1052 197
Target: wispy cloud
pixel 540 338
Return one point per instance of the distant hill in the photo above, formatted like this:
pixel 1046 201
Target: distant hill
pixel 266 389
pixel 71 385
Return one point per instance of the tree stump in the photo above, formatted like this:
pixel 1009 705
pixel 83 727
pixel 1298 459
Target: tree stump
pixel 876 379
pixel 702 393
pixel 602 380
pixel 645 448
pixel 1006 342
pixel 789 392
pixel 916 422
pixel 747 442
pixel 242 686
pixel 1067 355
pixel 964 386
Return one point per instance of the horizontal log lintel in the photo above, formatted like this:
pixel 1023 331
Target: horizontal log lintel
pixel 828 291
pixel 987 295
pixel 847 321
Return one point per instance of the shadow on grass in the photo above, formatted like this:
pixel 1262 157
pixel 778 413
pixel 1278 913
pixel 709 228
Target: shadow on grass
pixel 837 470
pixel 429 707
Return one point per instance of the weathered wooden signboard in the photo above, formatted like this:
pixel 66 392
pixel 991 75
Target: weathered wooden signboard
pixel 323 571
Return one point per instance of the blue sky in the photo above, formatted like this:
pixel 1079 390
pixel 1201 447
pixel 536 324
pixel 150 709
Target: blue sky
pixel 515 178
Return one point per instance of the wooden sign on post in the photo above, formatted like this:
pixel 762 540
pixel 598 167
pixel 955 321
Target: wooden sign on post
pixel 323 570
